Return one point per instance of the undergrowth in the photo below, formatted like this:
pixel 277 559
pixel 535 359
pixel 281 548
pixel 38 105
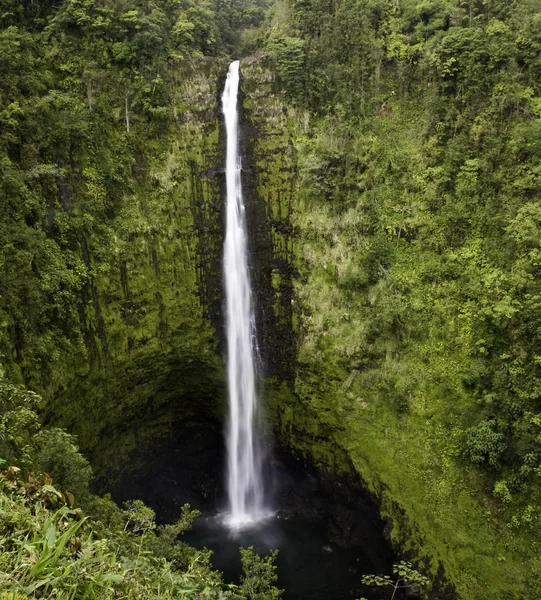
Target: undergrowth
pixel 54 544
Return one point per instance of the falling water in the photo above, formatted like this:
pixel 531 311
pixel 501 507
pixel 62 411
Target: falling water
pixel 245 488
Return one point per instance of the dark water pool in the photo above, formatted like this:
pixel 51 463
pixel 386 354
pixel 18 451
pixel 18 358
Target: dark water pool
pixel 309 566
pixel 330 533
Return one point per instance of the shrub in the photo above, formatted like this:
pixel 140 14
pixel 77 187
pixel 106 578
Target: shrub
pixel 18 423
pixel 484 445
pixel 57 455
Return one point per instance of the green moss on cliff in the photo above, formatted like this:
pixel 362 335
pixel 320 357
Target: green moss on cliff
pixel 109 187
pixel 415 230
pixel 269 129
pixel 153 353
pixel 394 235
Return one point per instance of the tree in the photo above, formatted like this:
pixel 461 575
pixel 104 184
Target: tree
pixel 259 576
pixel 18 422
pixel 405 577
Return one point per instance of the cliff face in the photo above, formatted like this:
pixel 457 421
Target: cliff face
pixel 398 332
pixel 144 340
pixel 269 158
pixel 356 379
pixel 150 353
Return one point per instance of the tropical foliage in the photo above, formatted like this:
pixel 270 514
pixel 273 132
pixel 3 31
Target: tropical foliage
pixel 419 231
pixel 416 230
pixel 51 548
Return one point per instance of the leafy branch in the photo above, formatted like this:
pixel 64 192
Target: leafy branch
pixel 405 577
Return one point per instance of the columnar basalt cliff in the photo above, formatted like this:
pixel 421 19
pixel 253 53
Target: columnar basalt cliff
pixel 151 313
pixel 269 129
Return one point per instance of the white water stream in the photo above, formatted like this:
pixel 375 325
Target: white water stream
pixel 244 484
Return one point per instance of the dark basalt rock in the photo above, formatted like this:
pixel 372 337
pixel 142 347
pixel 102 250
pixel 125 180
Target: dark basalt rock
pixel 167 473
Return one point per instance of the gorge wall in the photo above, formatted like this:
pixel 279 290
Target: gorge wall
pixel 142 351
pixel 377 350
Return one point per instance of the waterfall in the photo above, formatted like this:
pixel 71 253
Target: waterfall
pixel 244 483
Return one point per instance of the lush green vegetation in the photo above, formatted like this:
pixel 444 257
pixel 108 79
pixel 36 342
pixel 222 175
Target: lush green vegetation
pixel 416 126
pixel 97 249
pixel 88 108
pixel 97 192
pixel 50 547
pixel 419 231
pixel 405 577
